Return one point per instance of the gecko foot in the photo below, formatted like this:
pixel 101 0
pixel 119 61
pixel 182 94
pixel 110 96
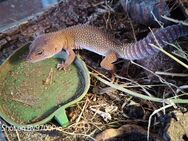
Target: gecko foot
pixel 113 78
pixel 62 67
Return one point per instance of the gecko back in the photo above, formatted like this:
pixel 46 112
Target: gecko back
pixel 91 38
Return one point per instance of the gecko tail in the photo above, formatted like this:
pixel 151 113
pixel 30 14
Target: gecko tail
pixel 161 38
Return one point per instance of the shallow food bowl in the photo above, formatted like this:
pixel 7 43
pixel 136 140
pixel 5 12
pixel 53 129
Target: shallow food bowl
pixel 32 94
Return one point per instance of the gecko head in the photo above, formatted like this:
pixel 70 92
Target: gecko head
pixel 43 47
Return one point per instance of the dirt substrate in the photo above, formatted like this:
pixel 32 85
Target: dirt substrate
pixel 119 109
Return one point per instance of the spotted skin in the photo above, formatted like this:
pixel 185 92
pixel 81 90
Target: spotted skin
pixel 92 39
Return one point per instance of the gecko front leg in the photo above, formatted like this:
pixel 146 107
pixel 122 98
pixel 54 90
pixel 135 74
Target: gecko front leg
pixel 70 58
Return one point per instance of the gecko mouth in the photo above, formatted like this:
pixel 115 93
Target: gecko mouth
pixel 34 61
pixel 31 60
pixel 28 59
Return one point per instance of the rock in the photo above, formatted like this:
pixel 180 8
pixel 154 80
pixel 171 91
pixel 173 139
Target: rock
pixel 128 132
pixel 178 129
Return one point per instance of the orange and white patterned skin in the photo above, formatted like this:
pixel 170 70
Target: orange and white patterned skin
pixel 92 39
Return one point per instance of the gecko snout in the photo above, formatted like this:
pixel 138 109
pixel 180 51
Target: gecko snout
pixel 28 59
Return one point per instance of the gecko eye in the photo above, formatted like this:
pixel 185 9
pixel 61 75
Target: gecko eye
pixel 39 52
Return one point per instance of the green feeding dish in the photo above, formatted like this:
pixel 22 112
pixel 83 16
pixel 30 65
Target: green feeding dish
pixel 32 94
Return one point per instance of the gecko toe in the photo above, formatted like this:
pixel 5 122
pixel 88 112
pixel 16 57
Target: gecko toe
pixel 62 67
